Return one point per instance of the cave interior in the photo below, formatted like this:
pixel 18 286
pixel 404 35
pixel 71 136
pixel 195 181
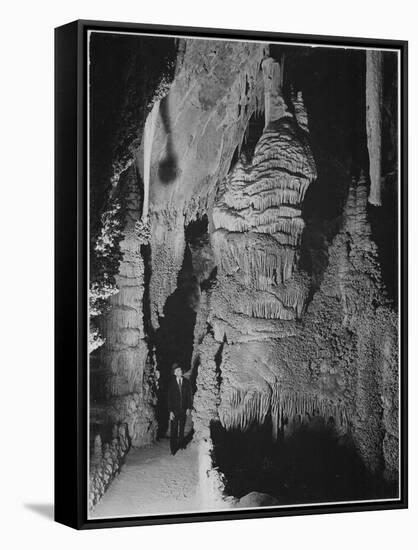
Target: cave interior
pixel 309 459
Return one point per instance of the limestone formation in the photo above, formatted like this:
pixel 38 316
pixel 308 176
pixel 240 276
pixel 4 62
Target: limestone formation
pixel 106 462
pixel 199 125
pixel 241 207
pixel 125 355
pixel 374 107
pixel 258 229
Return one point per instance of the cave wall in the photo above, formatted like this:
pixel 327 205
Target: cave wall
pixel 201 122
pixel 270 343
pixel 106 461
pixel 292 315
pixel 374 108
pixel 125 355
pixel 339 362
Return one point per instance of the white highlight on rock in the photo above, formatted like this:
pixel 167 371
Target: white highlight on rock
pixel 275 107
pixel 374 98
pixel 300 110
pixel 149 131
pixel 210 487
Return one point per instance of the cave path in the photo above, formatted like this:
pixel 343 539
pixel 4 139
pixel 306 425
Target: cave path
pixel 152 481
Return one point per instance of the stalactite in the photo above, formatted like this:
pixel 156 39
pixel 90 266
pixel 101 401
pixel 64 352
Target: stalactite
pixel 148 140
pixel 374 97
pixel 300 111
pixel 257 216
pixel 275 107
pixel 257 256
pixel 241 408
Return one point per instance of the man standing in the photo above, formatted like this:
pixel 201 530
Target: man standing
pixel 179 405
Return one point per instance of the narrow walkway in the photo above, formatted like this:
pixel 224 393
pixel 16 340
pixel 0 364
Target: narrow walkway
pixel 152 481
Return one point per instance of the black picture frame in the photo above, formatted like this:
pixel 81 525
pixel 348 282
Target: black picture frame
pixel 71 290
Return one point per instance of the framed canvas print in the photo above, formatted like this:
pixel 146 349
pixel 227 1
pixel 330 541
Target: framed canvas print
pixel 231 284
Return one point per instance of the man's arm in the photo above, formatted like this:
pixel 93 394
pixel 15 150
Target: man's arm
pixel 170 402
pixel 189 400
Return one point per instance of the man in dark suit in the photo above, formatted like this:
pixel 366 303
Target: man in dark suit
pixel 179 405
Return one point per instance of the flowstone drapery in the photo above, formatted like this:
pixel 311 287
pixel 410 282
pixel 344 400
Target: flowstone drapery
pixel 246 200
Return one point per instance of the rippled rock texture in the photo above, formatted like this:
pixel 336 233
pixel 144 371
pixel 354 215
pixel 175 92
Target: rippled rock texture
pixel 245 209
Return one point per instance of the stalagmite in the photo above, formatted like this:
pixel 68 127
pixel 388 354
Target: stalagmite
pixel 210 488
pixel 374 97
pixel 258 218
pixel 125 353
pixel 148 140
pixel 258 228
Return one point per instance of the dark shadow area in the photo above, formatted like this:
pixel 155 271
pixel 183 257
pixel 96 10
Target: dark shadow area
pixel 385 234
pixel 146 301
pixel 174 337
pixel 384 219
pixel 168 167
pixel 332 82
pixel 100 424
pixel 125 73
pixel 44 510
pixel 253 133
pixel 205 271
pixel 309 465
pixel 333 85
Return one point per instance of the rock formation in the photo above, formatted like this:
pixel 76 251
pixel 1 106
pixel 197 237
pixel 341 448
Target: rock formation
pixel 122 375
pixel 374 106
pixel 201 122
pixel 258 228
pixel 215 209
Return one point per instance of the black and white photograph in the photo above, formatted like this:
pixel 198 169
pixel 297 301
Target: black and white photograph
pixel 209 256
pixel 244 274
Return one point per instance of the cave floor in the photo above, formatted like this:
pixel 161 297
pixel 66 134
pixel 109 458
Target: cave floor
pixel 152 481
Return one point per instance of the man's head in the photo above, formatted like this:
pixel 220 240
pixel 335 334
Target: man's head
pixel 177 371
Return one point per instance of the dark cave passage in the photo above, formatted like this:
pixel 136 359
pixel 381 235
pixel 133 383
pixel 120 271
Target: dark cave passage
pixel 100 424
pixel 175 336
pixel 309 465
pixel 333 85
pixel 253 133
pixel 310 461
pixel 332 82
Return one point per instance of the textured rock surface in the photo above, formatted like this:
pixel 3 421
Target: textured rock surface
pixel 106 462
pixel 258 228
pixel 340 362
pixel 271 343
pixel 374 106
pixel 200 124
pixel 258 223
pixel 256 499
pixel 270 349
pixel 125 355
